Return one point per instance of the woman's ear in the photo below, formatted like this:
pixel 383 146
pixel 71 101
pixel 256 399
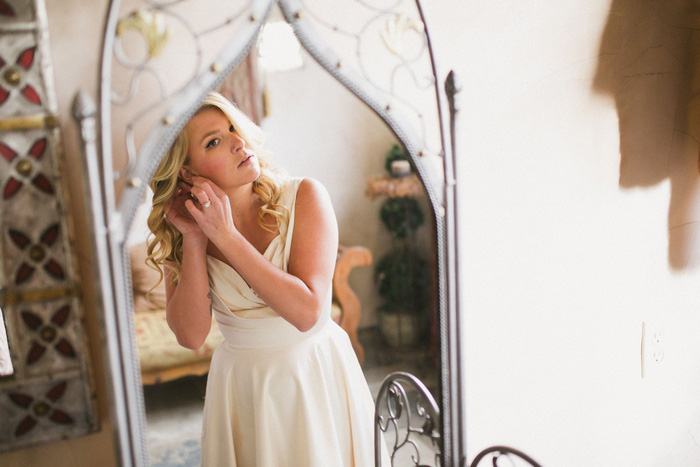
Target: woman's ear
pixel 185 174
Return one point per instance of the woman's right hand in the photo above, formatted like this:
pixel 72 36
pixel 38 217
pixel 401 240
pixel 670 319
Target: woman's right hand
pixel 176 213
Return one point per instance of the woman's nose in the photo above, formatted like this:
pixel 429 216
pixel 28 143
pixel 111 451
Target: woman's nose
pixel 237 144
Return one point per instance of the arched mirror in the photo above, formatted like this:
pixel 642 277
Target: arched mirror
pixel 375 69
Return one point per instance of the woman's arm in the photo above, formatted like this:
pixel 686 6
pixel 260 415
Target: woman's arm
pixel 300 294
pixel 188 304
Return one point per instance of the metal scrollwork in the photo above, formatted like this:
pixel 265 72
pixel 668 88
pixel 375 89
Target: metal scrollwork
pixel 393 35
pixel 406 409
pixel 167 31
pixel 390 51
pixel 495 454
pixel 151 26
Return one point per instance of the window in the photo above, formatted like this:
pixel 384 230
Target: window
pixel 279 49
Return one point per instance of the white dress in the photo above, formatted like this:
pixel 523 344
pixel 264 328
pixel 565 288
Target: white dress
pixel 278 397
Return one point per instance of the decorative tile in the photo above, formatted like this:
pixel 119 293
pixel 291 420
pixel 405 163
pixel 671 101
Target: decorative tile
pixel 31 215
pixel 17 10
pixel 21 82
pixel 48 337
pixel 34 255
pixel 24 159
pixel 49 396
pixel 44 411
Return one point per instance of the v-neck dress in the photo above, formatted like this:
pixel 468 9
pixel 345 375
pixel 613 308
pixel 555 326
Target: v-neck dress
pixel 276 396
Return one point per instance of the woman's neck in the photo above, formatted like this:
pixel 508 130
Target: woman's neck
pixel 245 204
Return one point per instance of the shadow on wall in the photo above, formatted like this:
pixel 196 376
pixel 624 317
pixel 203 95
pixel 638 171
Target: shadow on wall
pixel 649 63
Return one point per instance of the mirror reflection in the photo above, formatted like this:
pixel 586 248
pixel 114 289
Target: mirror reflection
pixel 386 236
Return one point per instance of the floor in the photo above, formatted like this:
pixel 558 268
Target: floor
pixel 174 409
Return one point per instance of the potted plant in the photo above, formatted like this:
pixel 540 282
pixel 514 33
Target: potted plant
pixel 403 279
pixel 402 275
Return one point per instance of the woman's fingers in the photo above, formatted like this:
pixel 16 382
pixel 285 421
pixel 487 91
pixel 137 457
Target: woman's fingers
pixel 213 192
pixel 210 187
pixel 206 192
pixel 192 209
pixel 200 195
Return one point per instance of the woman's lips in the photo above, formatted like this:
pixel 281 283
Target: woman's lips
pixel 246 159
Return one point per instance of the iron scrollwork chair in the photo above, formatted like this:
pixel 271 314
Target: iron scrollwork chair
pixel 495 453
pixel 406 409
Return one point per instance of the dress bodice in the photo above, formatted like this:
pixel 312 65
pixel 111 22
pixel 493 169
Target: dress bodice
pixel 231 293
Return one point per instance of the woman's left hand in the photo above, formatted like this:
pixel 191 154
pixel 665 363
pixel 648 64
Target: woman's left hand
pixel 212 212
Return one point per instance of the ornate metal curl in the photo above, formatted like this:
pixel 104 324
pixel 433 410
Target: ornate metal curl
pixel 392 23
pixel 405 406
pixel 496 453
pixel 154 23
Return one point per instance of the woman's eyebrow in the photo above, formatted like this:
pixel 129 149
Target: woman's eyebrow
pixel 208 134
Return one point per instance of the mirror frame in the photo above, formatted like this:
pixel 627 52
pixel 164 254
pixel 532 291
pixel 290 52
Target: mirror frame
pixel 111 220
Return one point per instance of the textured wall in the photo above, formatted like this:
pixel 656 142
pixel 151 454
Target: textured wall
pixel 579 189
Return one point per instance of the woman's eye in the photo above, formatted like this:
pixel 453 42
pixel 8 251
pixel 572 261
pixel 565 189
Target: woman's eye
pixel 213 143
pixel 231 129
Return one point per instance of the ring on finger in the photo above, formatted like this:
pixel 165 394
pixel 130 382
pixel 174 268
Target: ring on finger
pixel 207 204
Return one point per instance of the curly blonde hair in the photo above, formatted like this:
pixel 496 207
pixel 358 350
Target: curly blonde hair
pixel 166 242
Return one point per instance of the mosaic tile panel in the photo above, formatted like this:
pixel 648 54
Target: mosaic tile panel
pixel 17 11
pixel 50 337
pixel 35 239
pixel 32 412
pixel 49 397
pixel 21 82
pixel 35 253
pixel 25 159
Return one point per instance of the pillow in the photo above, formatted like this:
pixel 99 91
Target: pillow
pixel 143 277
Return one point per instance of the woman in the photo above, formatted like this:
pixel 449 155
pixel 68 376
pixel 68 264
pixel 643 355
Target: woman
pixel 258 248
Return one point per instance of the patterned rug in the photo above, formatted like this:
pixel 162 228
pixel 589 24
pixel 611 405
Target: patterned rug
pixel 170 454
pixel 174 422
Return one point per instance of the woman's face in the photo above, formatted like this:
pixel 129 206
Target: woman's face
pixel 217 152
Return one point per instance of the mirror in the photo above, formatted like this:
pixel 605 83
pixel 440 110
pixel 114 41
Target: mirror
pixel 380 53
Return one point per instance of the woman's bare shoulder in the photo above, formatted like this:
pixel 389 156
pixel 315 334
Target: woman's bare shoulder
pixel 313 199
pixel 311 189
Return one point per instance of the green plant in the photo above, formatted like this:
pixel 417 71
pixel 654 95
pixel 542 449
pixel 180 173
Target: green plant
pixel 401 216
pixel 403 277
pixel 404 282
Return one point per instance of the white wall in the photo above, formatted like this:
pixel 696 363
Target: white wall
pixel 567 246
pixel 316 128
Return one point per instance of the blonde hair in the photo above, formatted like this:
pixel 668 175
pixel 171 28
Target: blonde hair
pixel 166 241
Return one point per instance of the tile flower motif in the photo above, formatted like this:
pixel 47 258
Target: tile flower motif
pixel 41 408
pixel 6 10
pixel 37 254
pixel 13 76
pixel 25 169
pixel 48 334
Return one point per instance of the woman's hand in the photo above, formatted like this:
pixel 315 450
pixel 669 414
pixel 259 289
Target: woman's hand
pixel 211 210
pixel 176 212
